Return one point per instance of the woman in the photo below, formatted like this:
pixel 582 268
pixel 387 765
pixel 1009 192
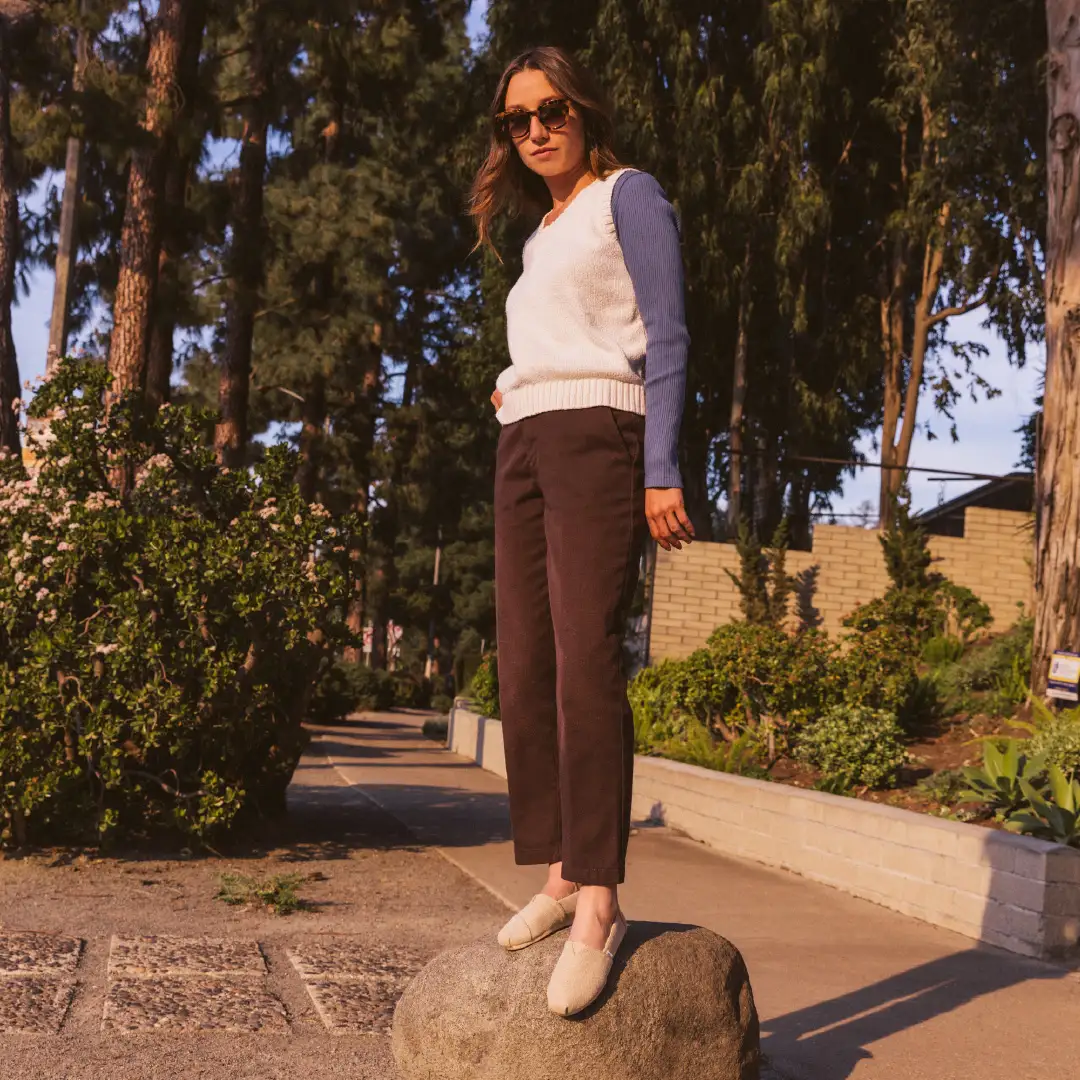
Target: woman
pixel 596 333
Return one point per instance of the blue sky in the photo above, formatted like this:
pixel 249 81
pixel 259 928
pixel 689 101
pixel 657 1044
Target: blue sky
pixel 987 439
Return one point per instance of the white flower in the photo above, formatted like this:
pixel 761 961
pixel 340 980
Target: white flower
pixel 298 520
pixel 48 560
pixel 20 577
pixel 41 594
pixel 104 650
pixel 63 546
pixel 276 528
pixel 267 511
pixel 159 461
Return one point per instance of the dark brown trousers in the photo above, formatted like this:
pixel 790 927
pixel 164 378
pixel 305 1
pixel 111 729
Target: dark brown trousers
pixel 569 531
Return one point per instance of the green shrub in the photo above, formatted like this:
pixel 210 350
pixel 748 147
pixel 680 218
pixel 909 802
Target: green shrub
pixel 484 687
pixel 158 651
pixel 919 604
pixel 436 729
pixel 942 649
pixel 878 672
pixel 1057 738
pixel 698 746
pixel 442 702
pixel 408 690
pixel 1008 763
pixel 1000 665
pixel 944 787
pixel 1053 814
pixel 855 745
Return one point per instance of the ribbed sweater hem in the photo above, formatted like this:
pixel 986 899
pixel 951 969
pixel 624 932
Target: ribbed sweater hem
pixel 552 394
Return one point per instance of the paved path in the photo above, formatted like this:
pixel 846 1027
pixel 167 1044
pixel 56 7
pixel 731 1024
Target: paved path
pixel 845 989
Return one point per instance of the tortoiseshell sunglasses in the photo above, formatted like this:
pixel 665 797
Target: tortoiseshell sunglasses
pixel 517 123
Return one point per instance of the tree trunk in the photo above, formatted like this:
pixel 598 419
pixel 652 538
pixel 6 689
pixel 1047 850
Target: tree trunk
pixel 892 343
pixel 140 238
pixel 159 357
pixel 182 146
pixel 738 401
pixel 67 243
pixel 245 266
pixel 9 239
pixel 1057 482
pixel 313 417
pixel 363 444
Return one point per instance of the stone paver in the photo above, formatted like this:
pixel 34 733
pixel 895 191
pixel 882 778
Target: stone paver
pixel 35 981
pixel 354 984
pixel 352 1006
pixel 25 953
pixel 165 983
pixel 192 1003
pixel 33 1004
pixel 164 955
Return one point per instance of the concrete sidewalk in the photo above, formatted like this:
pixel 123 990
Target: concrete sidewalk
pixel 845 989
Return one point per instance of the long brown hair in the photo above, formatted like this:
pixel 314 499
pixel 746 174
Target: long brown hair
pixel 504 183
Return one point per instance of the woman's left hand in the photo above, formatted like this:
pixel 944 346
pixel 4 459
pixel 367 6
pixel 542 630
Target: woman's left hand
pixel 667 518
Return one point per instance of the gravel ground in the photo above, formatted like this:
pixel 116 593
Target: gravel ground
pixel 377 907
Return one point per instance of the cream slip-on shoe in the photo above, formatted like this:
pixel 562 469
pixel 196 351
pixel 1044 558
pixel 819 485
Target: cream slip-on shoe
pixel 581 972
pixel 541 916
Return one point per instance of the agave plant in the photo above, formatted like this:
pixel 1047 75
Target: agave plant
pixel 1053 815
pixel 999 781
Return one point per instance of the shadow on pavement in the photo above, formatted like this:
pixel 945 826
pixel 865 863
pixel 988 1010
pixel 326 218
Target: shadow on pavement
pixel 829 1039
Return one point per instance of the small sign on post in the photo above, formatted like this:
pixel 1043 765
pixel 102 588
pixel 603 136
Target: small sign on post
pixel 1064 682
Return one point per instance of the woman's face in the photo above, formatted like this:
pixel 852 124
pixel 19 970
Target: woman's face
pixel 547 152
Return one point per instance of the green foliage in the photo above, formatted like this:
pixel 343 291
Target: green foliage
pixel 945 787
pixel 919 605
pixel 1050 815
pixel 854 745
pixel 698 746
pixel 158 652
pixel 1000 665
pixel 878 672
pixel 1057 737
pixel 435 729
pixel 484 688
pixel 942 649
pixel 278 894
pixel 1008 764
pixel 442 702
pixel 763 582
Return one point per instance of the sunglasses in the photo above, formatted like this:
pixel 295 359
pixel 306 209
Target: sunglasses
pixel 517 123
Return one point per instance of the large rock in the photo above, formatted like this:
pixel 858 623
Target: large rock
pixel 678 1006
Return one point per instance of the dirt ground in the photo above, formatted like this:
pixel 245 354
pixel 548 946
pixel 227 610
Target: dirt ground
pixel 366 880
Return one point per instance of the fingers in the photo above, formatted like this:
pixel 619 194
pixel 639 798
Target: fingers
pixel 496 399
pixel 669 524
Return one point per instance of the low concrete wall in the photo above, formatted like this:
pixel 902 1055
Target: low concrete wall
pixel 1016 892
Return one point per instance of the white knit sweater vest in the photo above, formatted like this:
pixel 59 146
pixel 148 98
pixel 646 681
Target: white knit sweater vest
pixel 575 335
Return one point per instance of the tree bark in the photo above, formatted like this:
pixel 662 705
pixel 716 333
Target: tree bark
pixel 140 238
pixel 245 265
pixel 9 239
pixel 68 244
pixel 738 400
pixel 159 357
pixel 313 417
pixel 182 146
pixel 1057 483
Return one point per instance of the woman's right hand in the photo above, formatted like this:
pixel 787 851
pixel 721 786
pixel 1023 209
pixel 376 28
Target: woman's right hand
pixel 496 400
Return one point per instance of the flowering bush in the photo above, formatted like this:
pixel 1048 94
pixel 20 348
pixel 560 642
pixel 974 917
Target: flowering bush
pixel 157 650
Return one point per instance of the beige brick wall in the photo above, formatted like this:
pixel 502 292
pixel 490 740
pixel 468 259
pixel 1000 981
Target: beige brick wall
pixel 694 595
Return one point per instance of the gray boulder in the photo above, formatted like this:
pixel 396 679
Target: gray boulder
pixel 678 1006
